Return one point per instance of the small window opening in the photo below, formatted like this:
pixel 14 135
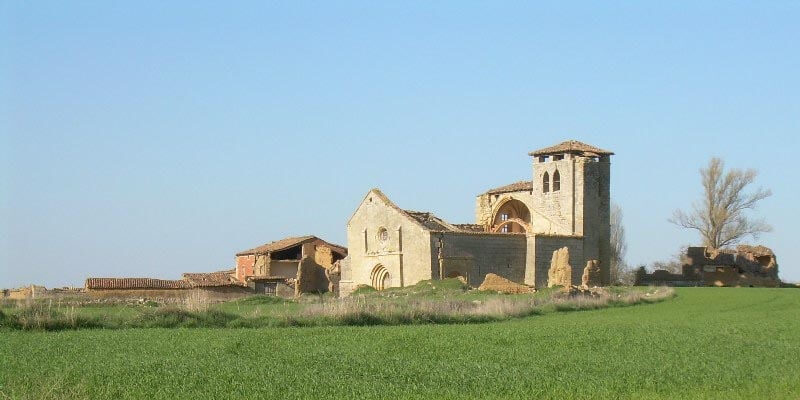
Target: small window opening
pixel 556 181
pixel 546 182
pixel 558 157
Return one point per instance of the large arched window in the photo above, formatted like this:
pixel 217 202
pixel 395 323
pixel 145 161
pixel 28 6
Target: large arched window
pixel 546 182
pixel 556 181
pixel 512 217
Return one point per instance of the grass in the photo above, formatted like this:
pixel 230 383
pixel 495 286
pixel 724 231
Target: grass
pixel 439 302
pixel 725 343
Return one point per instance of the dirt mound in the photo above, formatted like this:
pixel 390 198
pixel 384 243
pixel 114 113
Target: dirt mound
pixel 497 283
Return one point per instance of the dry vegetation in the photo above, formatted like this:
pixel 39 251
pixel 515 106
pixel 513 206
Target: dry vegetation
pixel 440 302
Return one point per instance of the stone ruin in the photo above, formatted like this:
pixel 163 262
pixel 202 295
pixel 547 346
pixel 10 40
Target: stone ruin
pixel 744 266
pixel 560 273
pixel 591 274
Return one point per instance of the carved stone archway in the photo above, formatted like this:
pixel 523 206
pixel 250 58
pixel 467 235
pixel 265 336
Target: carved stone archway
pixel 380 277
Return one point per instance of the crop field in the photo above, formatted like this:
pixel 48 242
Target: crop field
pixel 724 343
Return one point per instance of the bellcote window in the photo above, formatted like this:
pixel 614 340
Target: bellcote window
pixel 546 182
pixel 556 181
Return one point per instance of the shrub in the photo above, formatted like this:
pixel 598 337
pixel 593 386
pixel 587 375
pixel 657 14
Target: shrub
pixel 364 289
pixel 262 299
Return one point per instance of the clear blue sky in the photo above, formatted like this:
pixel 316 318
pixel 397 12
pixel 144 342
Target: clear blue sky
pixel 154 138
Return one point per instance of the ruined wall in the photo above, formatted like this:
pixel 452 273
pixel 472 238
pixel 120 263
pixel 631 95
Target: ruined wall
pixel 245 266
pixel 323 255
pixel 482 253
pixel 213 294
pixel 261 265
pixel 483 209
pixel 405 253
pixel 41 292
pixel 311 277
pixel 543 247
pixel 745 266
pixel 284 268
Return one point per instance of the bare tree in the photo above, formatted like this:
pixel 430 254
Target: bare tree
pixel 619 246
pixel 720 217
pixel 672 265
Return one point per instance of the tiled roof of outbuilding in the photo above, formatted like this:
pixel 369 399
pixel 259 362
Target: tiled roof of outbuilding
pixel 571 146
pixel 286 243
pixel 136 283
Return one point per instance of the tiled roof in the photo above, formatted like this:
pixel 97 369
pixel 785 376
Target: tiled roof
pixel 136 283
pixel 189 281
pixel 571 146
pixel 286 243
pixel 277 245
pixel 210 279
pixel 514 187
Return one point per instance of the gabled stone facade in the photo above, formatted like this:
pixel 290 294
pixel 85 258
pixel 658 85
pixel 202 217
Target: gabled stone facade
pixel 517 228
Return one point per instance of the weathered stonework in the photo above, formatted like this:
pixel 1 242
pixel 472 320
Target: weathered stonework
pixel 284 258
pixel 560 273
pixel 745 266
pixel 591 274
pixel 517 228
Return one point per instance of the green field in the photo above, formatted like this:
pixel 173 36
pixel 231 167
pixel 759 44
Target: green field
pixel 705 343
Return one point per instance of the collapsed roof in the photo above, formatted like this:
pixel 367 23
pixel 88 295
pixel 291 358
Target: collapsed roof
pixel 289 242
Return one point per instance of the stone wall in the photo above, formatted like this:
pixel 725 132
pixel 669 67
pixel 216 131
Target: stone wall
pixel 543 247
pixel 480 254
pixel 41 292
pixel 212 294
pixel 311 277
pixel 594 221
pixel 405 253
pixel 558 207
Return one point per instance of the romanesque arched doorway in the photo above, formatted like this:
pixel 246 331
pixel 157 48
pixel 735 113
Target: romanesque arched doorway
pixel 512 217
pixel 380 277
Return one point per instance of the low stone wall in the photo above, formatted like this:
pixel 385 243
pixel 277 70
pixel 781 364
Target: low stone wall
pixel 211 294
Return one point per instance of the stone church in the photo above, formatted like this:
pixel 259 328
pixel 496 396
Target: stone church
pixel 517 228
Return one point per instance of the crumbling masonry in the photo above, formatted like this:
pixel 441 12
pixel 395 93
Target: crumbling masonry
pixel 566 204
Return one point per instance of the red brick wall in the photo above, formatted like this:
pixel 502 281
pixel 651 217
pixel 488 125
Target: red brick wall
pixel 244 266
